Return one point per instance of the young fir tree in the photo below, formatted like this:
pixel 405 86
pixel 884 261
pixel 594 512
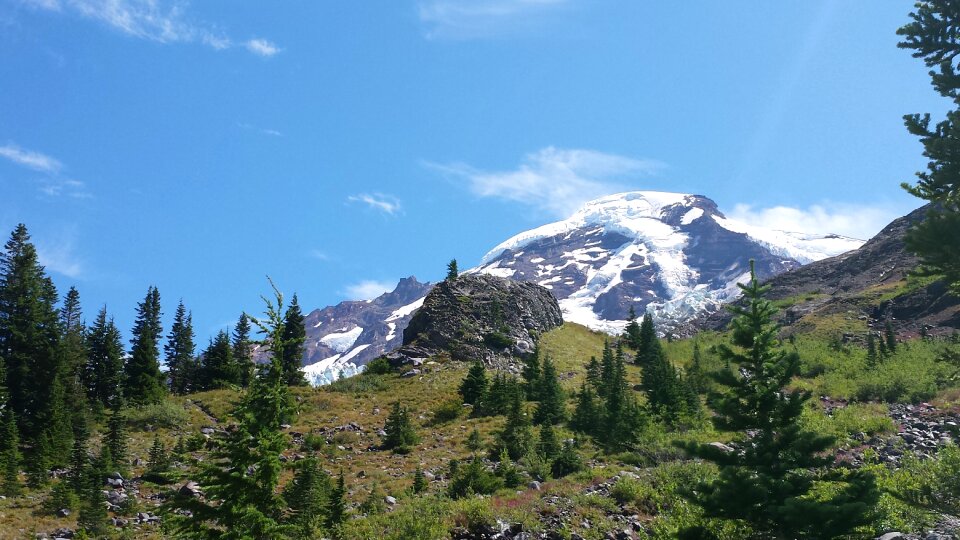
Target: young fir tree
pixel 116 438
pixel 532 375
pixel 241 477
pixel 144 383
pixel 400 435
pixel 158 461
pixel 934 35
pixel 179 352
pixel 92 518
pixel 57 433
pixel 608 368
pixel 515 437
pixel 567 461
pixel 620 420
pixel 243 350
pixel 79 461
pixel 37 461
pixel 499 395
pixel 768 481
pixel 419 481
pixel 73 352
pixel 29 333
pixel 473 389
pixel 474 441
pixel 452 271
pixel 631 333
pixel 890 337
pixel 661 384
pixel 219 369
pixel 294 334
pixel 586 415
pixel 871 350
pixel 507 470
pixel 103 372
pixel 647 344
pixel 594 373
pixel 337 505
pixel 551 409
pixel 696 376
pixel 374 503
pixel 547 445
pixel 307 497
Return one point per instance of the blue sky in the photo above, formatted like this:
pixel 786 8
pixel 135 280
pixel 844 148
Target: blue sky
pixel 339 146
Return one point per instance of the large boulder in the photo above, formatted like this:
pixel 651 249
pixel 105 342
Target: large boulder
pixel 483 317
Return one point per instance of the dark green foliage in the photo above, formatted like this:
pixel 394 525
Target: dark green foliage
pixel 93 518
pixel 243 350
pixel 696 376
pixel 79 461
pixel 567 462
pixel 632 332
pixel 551 409
pixel 337 505
pixel 547 446
pixel 515 437
pixel 447 411
pixel 73 360
pixel 621 420
pixel 241 476
pixel 61 496
pixel 608 370
pixel 378 366
pixel 103 372
pixel 586 415
pixel 158 462
pixel 400 435
pixel 143 381
pixel 594 373
pixel 473 389
pixel 648 346
pixel 474 441
pixel 934 35
pixel 501 393
pixel 532 374
pixel 179 352
pixel 29 333
pixel 307 497
pixel 218 367
pixel 768 482
pixel 871 350
pixel 890 338
pixel 374 503
pixel 294 334
pixel 116 438
pixel 507 470
pixel 419 481
pixel 58 419
pixel 37 461
pixel 9 452
pixel 473 479
pixel 452 271
pixel 498 340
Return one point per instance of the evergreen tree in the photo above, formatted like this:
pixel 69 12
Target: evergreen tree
pixel 871 350
pixel 116 439
pixel 337 505
pixel 648 346
pixel 219 369
pixel 158 461
pixel 621 420
pixel 499 395
pixel 550 410
pixel 890 337
pixel 243 350
pixel 474 442
pixel 768 481
pixel 632 332
pixel 179 352
pixel 662 384
pixel 29 332
pixel 696 376
pixel 532 374
pixel 93 518
pixel 548 446
pixel 307 497
pixel 586 415
pixel 473 389
pixel 79 461
pixel 400 435
pixel 103 373
pixel 934 35
pixel 594 373
pixel 567 462
pixel 419 481
pixel 507 470
pixel 240 479
pixel 515 437
pixel 452 271
pixel 9 451
pixel 73 352
pixel 294 334
pixel 143 381
pixel 57 433
pixel 473 479
pixel 608 368
pixel 38 460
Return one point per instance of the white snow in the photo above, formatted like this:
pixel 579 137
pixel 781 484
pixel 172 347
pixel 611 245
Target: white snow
pixel 803 248
pixel 405 310
pixel 343 340
pixel 495 270
pixel 318 324
pixel 330 369
pixel 691 216
pixel 393 331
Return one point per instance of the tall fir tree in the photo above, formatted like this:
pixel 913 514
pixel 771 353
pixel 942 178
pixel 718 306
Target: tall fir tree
pixel 243 350
pixel 218 367
pixel 934 36
pixel 531 374
pixel 29 332
pixel 594 373
pixel 696 375
pixel 73 352
pixel 294 335
pixel 551 408
pixel 661 384
pixel 586 415
pixel 241 477
pixel 103 373
pixel 473 389
pixel 631 333
pixel 452 271
pixel 179 352
pixel 871 350
pixel 621 419
pixel 337 505
pixel 768 481
pixel 307 497
pixel 515 437
pixel 9 451
pixel 890 337
pixel 116 438
pixel 143 381
pixel 647 342
pixel 400 434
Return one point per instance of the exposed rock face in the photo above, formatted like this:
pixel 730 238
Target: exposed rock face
pixel 842 284
pixel 481 316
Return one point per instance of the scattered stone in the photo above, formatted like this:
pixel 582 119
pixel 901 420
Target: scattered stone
pixel 534 485
pixel 390 500
pixel 63 512
pixel 190 489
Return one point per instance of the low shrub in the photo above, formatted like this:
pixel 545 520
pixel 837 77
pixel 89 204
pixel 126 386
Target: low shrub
pixel 358 384
pixel 447 411
pixel 164 414
pixel 378 366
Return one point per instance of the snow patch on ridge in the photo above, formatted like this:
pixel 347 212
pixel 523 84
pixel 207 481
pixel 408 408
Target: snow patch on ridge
pixel 405 310
pixel 342 341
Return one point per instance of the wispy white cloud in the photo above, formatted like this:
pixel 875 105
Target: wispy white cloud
pixel 473 19
pixel 163 21
pixel 861 221
pixel 368 289
pixel 30 159
pixel 388 204
pixel 56 187
pixel 58 255
pixel 554 180
pixel 318 255
pixel 262 47
pixel 264 131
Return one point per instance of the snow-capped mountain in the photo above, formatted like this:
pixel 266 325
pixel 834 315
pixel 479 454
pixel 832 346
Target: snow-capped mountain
pixel 670 254
pixel 342 338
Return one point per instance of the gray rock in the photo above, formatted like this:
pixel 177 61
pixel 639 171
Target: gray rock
pixel 534 485
pixel 390 500
pixel 891 536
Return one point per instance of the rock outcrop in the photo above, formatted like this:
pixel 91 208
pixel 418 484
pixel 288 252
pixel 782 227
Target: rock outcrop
pixel 481 317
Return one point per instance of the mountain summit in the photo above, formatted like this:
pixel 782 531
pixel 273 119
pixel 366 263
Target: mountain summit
pixel 671 254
